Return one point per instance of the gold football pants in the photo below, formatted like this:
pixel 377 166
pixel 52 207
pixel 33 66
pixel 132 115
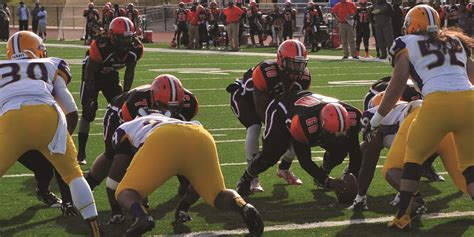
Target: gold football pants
pixel 446 149
pixel 32 128
pixel 176 149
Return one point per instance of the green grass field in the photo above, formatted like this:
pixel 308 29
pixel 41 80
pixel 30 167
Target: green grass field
pixel 21 214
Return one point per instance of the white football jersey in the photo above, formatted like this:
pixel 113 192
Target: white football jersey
pixel 33 81
pixel 390 123
pixel 137 130
pixel 432 69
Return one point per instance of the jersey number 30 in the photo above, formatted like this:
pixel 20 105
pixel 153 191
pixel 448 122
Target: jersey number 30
pixel 30 72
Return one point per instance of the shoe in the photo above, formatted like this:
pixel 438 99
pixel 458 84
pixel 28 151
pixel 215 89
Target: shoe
pixel 355 57
pixel 146 203
pixel 367 54
pixel 182 217
pixel 345 57
pixel 361 205
pixel 255 186
pixel 81 159
pixel 289 176
pixel 116 219
pixel 49 199
pixel 253 220
pixel 68 209
pixel 416 209
pixel 428 172
pixel 141 225
pixel 395 200
pixel 243 187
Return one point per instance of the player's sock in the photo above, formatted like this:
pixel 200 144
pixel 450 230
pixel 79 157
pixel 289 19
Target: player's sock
pixel 114 206
pixel 252 142
pixel 82 197
pixel 184 205
pixel 92 181
pixel 284 165
pixel 82 139
pixel 94 227
pixel 138 210
pixel 405 199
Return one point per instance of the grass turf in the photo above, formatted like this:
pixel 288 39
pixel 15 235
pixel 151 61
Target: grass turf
pixel 22 215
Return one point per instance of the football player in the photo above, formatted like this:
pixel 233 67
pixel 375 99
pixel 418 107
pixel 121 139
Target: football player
pixel 106 55
pixel 289 20
pixel 440 63
pixel 126 107
pixel 306 120
pixel 409 94
pixel 195 158
pixel 33 88
pixel 181 23
pixel 393 133
pixel 268 80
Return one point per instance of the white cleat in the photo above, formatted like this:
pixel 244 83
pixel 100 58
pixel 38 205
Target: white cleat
pixel 395 200
pixel 359 205
pixel 255 185
pixel 289 176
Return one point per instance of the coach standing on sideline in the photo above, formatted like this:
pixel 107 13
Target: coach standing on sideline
pixel 344 12
pixel 232 15
pixel 23 14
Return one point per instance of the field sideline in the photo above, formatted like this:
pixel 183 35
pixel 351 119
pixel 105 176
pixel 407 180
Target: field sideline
pixel 287 210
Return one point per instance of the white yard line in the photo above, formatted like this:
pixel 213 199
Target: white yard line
pixel 325 224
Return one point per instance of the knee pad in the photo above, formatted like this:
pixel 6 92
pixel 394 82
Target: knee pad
pixel 469 175
pixel 411 171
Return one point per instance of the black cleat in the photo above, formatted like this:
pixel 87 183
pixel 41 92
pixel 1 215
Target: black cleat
pixel 243 187
pixel 68 209
pixel 253 220
pixel 428 172
pixel 182 217
pixel 49 198
pixel 81 159
pixel 141 225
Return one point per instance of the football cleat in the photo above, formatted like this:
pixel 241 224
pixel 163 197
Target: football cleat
pixel 49 199
pixel 255 186
pixel 289 176
pixel 414 212
pixel 243 187
pixel 428 172
pixel 182 217
pixel 253 220
pixel 395 200
pixel 141 225
pixel 359 205
pixel 116 219
pixel 68 209
pixel 81 159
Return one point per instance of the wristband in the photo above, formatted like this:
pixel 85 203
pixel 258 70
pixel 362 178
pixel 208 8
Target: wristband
pixel 376 120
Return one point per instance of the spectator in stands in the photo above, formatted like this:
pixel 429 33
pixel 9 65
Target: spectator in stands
pixel 344 13
pixel 34 17
pixel 118 11
pixel 42 22
pixel 232 15
pixel 289 20
pixel 92 22
pixel 397 18
pixel 452 13
pixel 3 18
pixel 382 12
pixel 5 32
pixel 23 15
pixel 193 19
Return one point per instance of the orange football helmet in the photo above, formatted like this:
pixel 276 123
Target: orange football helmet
pixel 421 18
pixel 335 119
pixel 292 56
pixel 25 44
pixel 167 92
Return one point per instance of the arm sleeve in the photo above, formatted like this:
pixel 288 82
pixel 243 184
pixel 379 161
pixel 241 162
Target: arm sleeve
pixel 63 96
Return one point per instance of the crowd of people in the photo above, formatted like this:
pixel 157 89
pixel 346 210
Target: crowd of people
pixel 98 23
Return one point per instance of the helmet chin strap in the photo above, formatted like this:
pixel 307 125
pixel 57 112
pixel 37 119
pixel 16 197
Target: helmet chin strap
pixel 24 55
